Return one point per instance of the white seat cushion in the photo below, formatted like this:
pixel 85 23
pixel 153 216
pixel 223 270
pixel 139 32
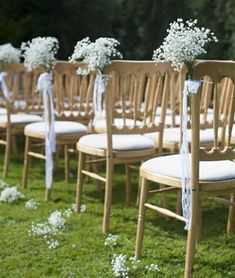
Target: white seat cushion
pixel 100 124
pixel 169 120
pixel 20 119
pixel 172 135
pixel 3 111
pixel 120 142
pixel 61 127
pixel 170 166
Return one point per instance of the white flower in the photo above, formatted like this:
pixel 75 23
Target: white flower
pixel 152 268
pixel 9 54
pixel 134 262
pixel 43 229
pixel 10 195
pixel 183 43
pixel 56 219
pixel 31 204
pixel 3 184
pixel 95 54
pixel 119 266
pixel 40 51
pixel 67 212
pixel 52 243
pixel 111 240
pixel 82 208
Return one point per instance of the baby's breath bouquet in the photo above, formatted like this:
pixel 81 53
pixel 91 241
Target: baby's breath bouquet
pixel 95 54
pixel 9 54
pixel 40 51
pixel 184 42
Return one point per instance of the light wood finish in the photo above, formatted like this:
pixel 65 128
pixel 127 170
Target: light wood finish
pixel 22 98
pixel 72 96
pixel 135 91
pixel 217 71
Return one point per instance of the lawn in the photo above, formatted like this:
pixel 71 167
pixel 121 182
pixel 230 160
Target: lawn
pixel 82 252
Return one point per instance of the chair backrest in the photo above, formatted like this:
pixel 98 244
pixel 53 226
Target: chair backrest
pixel 135 91
pixel 221 73
pixel 21 84
pixel 73 93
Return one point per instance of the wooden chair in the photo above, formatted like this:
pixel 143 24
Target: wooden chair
pixel 72 101
pixel 19 105
pixel 123 142
pixel 216 176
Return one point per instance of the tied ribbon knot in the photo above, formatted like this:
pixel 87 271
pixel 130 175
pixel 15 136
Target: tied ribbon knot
pixel 190 87
pixel 44 85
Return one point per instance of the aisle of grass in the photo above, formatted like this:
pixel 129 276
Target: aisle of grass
pixel 82 252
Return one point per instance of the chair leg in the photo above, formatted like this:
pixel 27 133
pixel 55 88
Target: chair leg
pixel 199 221
pixel 14 145
pixel 67 163
pixel 191 240
pixel 26 161
pixel 164 198
pixel 48 194
pixel 138 193
pixel 128 184
pixel 178 209
pixel 141 217
pixel 7 153
pixel 231 215
pixel 96 170
pixel 108 195
pixel 79 180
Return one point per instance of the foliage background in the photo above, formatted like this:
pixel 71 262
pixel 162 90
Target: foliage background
pixel 140 25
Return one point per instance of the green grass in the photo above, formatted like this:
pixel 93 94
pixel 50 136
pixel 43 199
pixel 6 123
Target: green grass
pixel 82 252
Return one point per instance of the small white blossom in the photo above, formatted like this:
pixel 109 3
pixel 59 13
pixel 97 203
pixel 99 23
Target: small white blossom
pixel 67 212
pixel 183 43
pixel 153 268
pixel 10 195
pixel 9 54
pixel 31 204
pixel 3 184
pixel 52 244
pixel 43 229
pixel 134 262
pixel 119 266
pixel 40 51
pixel 111 240
pixel 82 208
pixel 95 54
pixel 56 219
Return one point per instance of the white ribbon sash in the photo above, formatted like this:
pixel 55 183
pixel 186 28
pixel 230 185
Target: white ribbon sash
pixel 44 84
pixel 190 87
pixel 4 85
pixel 99 88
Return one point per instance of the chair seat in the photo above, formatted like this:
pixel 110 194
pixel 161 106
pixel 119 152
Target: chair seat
pixel 120 142
pixel 19 119
pixel 170 166
pixel 172 135
pixel 67 128
pixel 100 124
pixel 3 111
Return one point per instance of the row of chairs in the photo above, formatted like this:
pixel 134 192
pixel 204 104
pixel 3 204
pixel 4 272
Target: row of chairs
pixel 140 98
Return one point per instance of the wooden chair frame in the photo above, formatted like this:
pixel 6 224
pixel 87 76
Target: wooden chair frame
pixel 217 70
